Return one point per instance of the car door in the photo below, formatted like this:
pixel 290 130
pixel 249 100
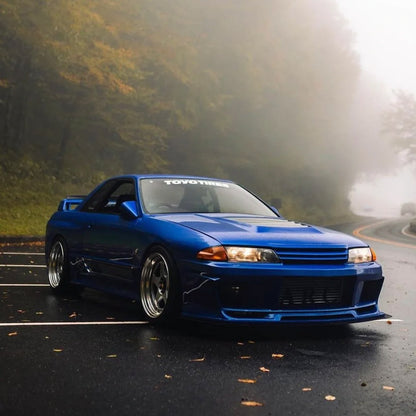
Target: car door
pixel 110 239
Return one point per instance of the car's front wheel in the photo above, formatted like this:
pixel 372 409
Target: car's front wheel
pixel 159 289
pixel 58 266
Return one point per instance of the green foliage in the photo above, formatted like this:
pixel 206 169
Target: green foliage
pixel 252 91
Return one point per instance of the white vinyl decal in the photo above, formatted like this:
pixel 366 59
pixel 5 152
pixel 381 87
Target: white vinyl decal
pixel 195 182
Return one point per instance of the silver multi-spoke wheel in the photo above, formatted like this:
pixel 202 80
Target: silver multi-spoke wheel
pixel 56 264
pixel 155 284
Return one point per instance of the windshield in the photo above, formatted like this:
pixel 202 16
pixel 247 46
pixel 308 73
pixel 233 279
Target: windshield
pixel 162 196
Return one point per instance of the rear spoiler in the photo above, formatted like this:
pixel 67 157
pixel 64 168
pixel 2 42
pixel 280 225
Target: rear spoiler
pixel 70 202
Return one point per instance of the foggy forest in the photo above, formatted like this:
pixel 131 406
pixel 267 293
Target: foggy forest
pixel 267 93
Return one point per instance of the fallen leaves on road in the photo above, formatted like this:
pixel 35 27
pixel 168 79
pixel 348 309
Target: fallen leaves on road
pixel 247 380
pixel 12 334
pixel 264 369
pixel 154 339
pixel 57 350
pixel 168 376
pixel 73 315
pixel 389 388
pixel 112 356
pixel 307 389
pixel 330 398
pixel 250 403
pixel 197 360
pixel 277 355
pixel 245 357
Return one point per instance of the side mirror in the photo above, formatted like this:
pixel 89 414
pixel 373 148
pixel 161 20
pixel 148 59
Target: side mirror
pixel 128 210
pixel 276 202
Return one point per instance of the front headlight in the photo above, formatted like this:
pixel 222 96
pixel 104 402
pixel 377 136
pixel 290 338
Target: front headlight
pixel 239 254
pixel 251 254
pixel 361 255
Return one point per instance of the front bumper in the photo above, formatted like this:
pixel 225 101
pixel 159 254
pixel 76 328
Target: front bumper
pixel 250 293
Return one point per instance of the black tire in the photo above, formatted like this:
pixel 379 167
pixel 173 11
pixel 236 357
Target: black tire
pixel 159 287
pixel 58 267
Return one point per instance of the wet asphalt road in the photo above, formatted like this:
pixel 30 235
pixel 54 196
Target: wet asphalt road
pixel 96 354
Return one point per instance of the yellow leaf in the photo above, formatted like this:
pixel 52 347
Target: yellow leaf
pixel 250 403
pixel 264 369
pixel 57 350
pixel 154 339
pixel 330 398
pixel 277 355
pixel 168 376
pixel 245 357
pixel 198 359
pixel 12 334
pixel 307 389
pixel 4 83
pixel 247 380
pixel 112 356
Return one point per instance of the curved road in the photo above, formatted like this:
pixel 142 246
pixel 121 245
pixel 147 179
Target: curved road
pixel 95 354
pixel 391 231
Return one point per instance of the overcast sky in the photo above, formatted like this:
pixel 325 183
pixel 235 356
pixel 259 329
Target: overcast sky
pixel 385 39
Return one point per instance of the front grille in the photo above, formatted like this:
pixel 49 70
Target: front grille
pixel 289 293
pixel 313 255
pixel 310 292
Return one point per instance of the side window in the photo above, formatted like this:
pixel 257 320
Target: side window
pixel 110 196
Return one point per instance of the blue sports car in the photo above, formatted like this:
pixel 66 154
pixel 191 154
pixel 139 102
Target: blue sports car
pixel 207 248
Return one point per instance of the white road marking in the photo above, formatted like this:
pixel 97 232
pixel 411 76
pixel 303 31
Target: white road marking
pixel 406 232
pixel 13 324
pixel 24 285
pixel 16 253
pixel 24 265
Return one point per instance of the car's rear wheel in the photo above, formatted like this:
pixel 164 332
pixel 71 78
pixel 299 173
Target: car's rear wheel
pixel 58 266
pixel 159 286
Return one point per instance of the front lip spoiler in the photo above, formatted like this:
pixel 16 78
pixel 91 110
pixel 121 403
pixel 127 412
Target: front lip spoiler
pixel 295 318
pixel 342 315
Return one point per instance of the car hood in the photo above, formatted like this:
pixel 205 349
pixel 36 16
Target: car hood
pixel 262 231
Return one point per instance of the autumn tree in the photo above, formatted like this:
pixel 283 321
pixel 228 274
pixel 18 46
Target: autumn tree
pixel 400 124
pixel 255 91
